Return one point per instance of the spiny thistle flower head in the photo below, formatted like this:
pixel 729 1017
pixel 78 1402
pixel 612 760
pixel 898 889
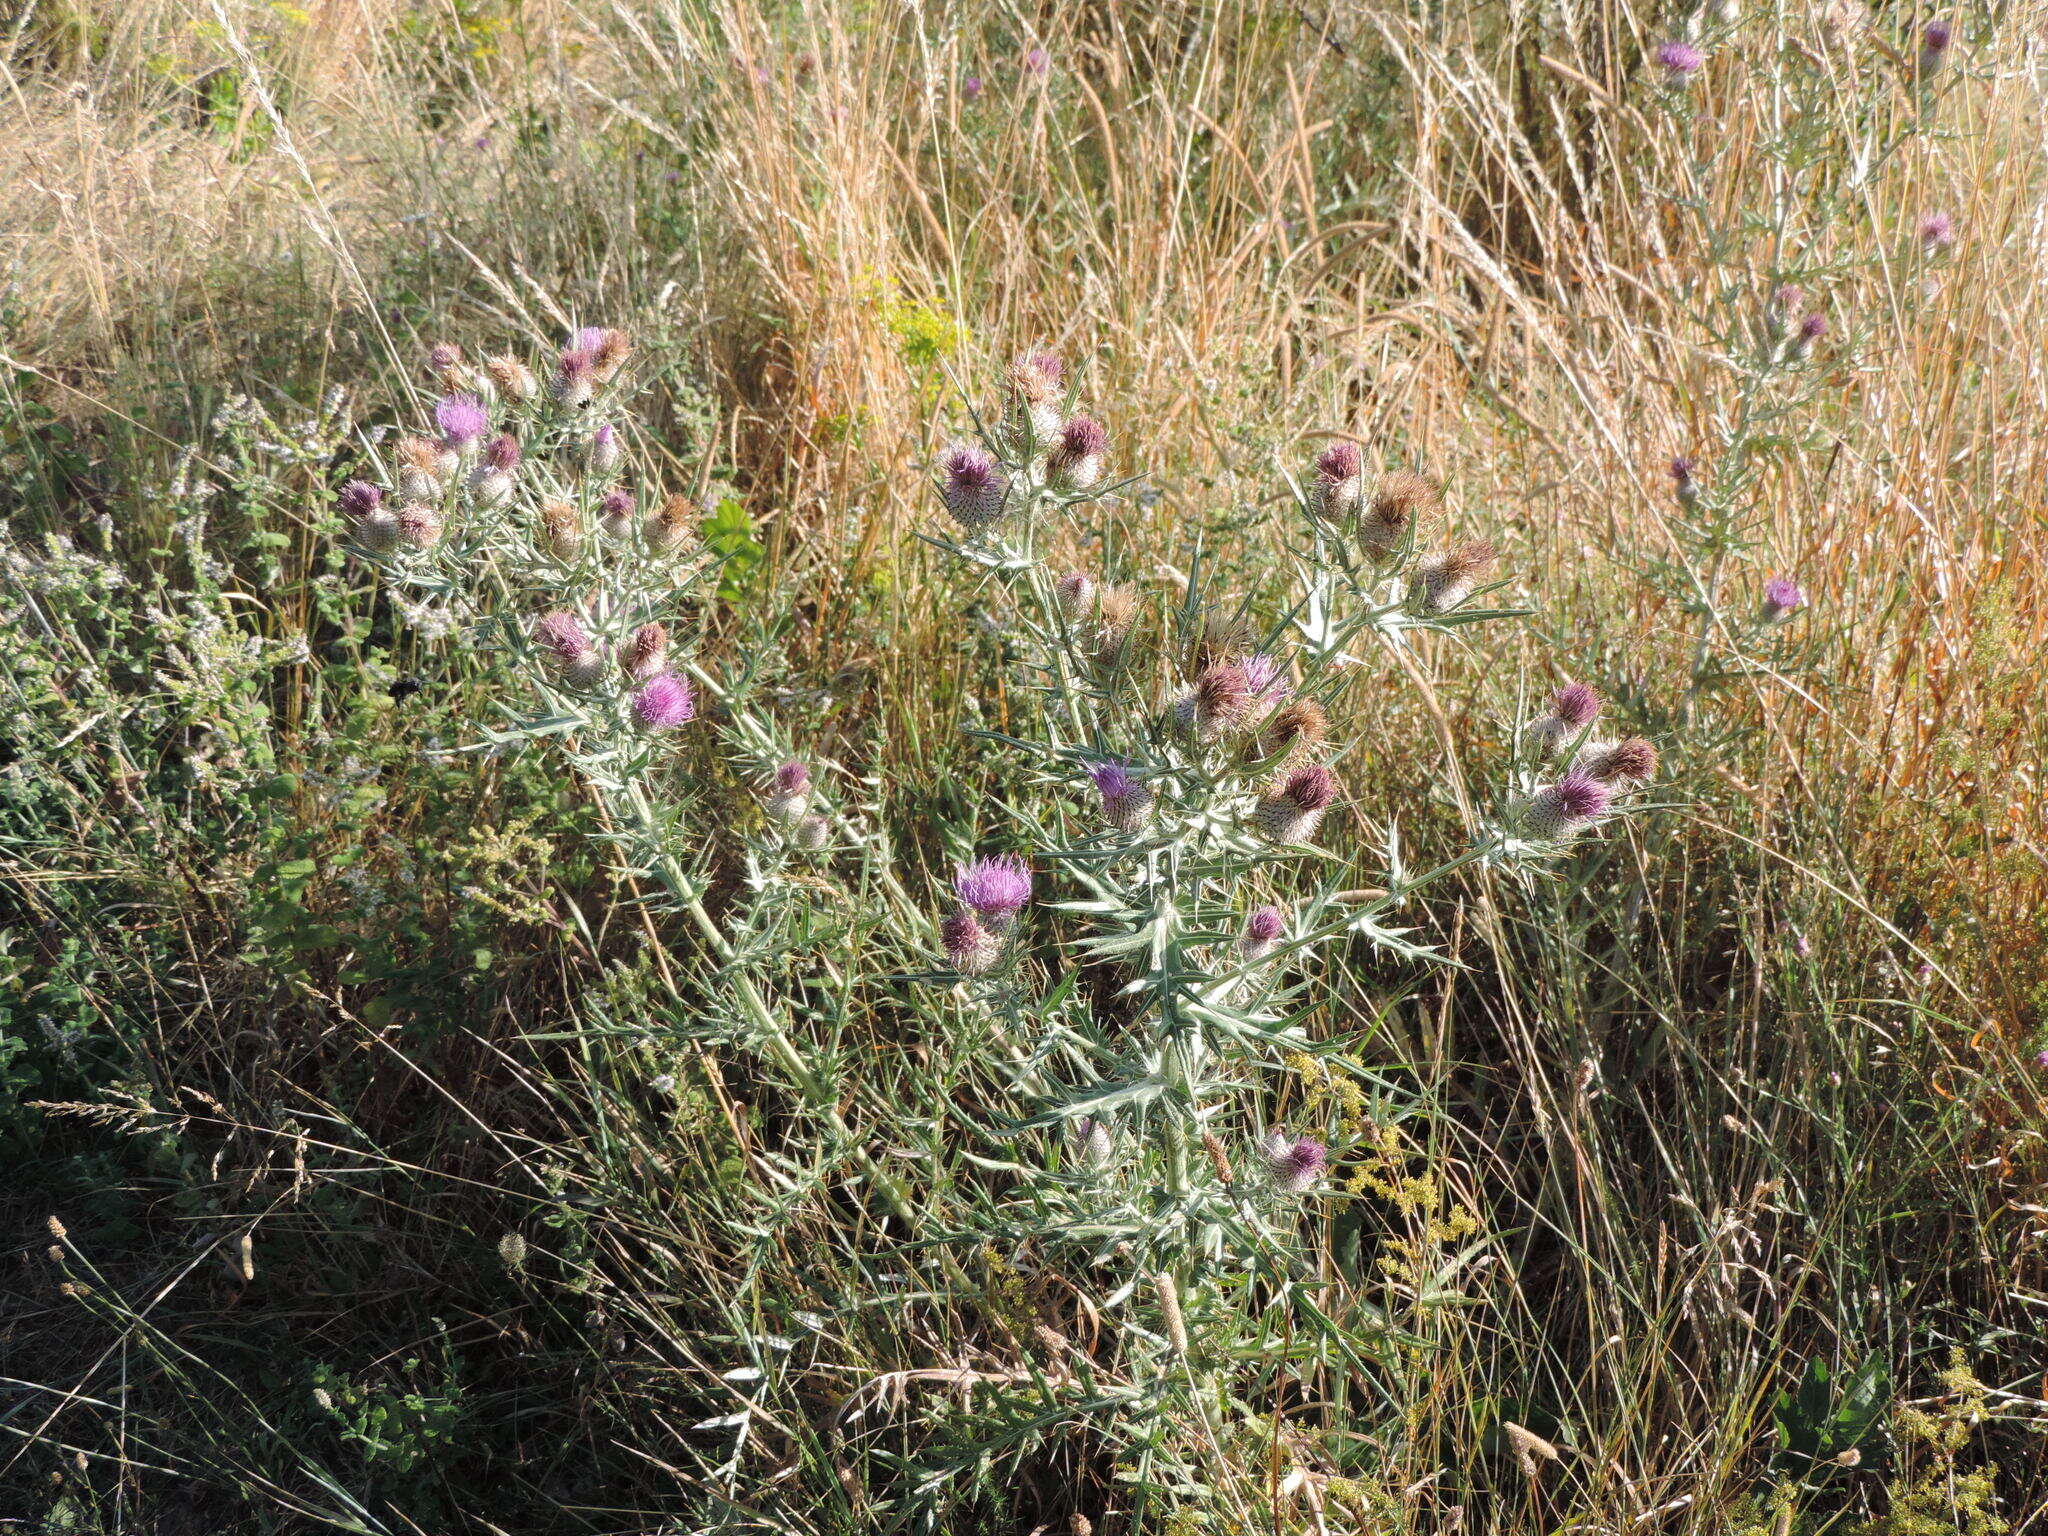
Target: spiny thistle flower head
pixel 1577 705
pixel 615 512
pixel 645 653
pixel 974 487
pixel 1036 62
pixel 1264 927
pixel 574 380
pixel 1293 1163
pixel 811 833
pixel 358 499
pixel 1219 702
pixel 1401 501
pixel 602 454
pixel 562 528
pixel 562 633
pixel 1125 801
pixel 1076 594
pixel 665 702
pixel 423 468
pixel 419 526
pixel 995 888
pixel 1813 327
pixel 1265 678
pixel 789 794
pixel 1116 613
pixel 1293 730
pixel 463 421
pixel 970 948
pixel 1291 811
pixel 1573 803
pixel 1679 61
pixel 1685 484
pixel 1935 41
pixel 1782 598
pixel 1937 231
pixel 971 87
pixel 1633 761
pixel 1036 383
pixel 671 525
pixel 442 357
pixel 1339 485
pixel 501 453
pixel 606 348
pixel 1075 463
pixel 792 778
pixel 1094 1143
pixel 512 377
pixel 491 481
pixel 1449 575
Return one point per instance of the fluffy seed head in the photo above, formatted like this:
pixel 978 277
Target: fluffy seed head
pixel 973 486
pixel 1782 598
pixel 422 469
pixel 995 888
pixel 645 654
pixel 1075 463
pixel 664 703
pixel 1633 761
pixel 463 421
pixel 1293 1163
pixel 1293 730
pixel 513 377
pixel 1449 575
pixel 1036 383
pixel 1572 804
pixel 606 348
pixel 970 948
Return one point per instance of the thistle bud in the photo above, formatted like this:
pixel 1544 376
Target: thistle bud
pixel 419 526
pixel 444 363
pixel 1093 1143
pixel 1076 594
pixel 1572 710
pixel 1684 486
pixel 1633 761
pixel 1291 811
pixel 645 654
pixel 1339 486
pixel 574 380
pixel 1075 463
pixel 970 948
pixel 562 635
pixel 1036 385
pixel 491 481
pixel 1293 1163
pixel 664 703
pixel 377 530
pixel 561 528
pixel 973 487
pixel 1566 808
pixel 1126 803
pixel 1934 46
pixel 1401 502
pixel 513 378
pixel 1449 575
pixel 463 422
pixel 615 514
pixel 1782 599
pixel 1263 930
pixel 602 453
pixel 811 833
pixel 790 795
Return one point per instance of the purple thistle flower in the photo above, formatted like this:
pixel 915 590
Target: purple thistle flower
pixel 1292 810
pixel 971 87
pixel 1036 62
pixel 1934 43
pixel 615 513
pixel 1937 232
pixel 1570 805
pixel 1782 599
pixel 970 948
pixel 1679 61
pixel 1263 929
pixel 1576 705
pixel 1075 462
pixel 792 778
pixel 665 703
pixel 2041 1061
pixel 974 489
pixel 1339 485
pixel 562 633
pixel 995 888
pixel 1093 1141
pixel 358 499
pixel 501 453
pixel 1125 801
pixel 1263 676
pixel 462 420
pixel 1293 1163
pixel 790 795
pixel 1813 327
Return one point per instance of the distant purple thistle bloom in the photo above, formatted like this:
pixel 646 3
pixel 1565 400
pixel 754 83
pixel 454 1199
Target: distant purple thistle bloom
pixel 561 633
pixel 1813 327
pixel 1293 1163
pixel 1037 61
pixel 665 703
pixel 970 948
pixel 1802 947
pixel 1262 674
pixel 615 504
pixel 501 453
pixel 358 499
pixel 1680 61
pixel 1685 486
pixel 1937 232
pixel 1051 365
pixel 1935 40
pixel 971 87
pixel 1573 803
pixel 2041 1061
pixel 792 778
pixel 1125 801
pixel 462 420
pixel 975 488
pixel 1782 598
pixel 994 888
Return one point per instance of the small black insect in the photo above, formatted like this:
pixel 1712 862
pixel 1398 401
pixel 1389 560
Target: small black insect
pixel 405 688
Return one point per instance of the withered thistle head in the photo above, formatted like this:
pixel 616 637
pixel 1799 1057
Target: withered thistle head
pixel 419 526
pixel 1036 384
pixel 1401 501
pixel 574 380
pixel 672 526
pixel 645 653
pixel 1217 704
pixel 1291 811
pixel 512 377
pixel 561 528
pixel 1116 612
pixel 607 349
pixel 1449 575
pixel 1293 731
pixel 1633 761
pixel 1223 638
pixel 423 469
pixel 1339 485
pixel 970 948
